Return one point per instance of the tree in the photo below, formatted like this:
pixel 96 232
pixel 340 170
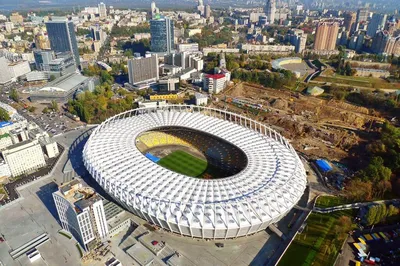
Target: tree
pixel 4 116
pixel 358 190
pixel 14 95
pixel 392 210
pixel 54 106
pixel 376 171
pixel 52 77
pixel 371 215
pixel 128 53
pixel 45 110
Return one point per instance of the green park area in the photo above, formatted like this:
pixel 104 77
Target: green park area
pixel 368 82
pixel 330 201
pixel 320 240
pixel 184 163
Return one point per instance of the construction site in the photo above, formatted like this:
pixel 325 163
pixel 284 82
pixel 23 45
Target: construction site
pixel 316 127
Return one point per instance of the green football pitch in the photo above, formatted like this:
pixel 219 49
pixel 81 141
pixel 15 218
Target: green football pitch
pixel 184 163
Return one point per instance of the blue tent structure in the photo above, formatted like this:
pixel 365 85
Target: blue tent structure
pixel 323 165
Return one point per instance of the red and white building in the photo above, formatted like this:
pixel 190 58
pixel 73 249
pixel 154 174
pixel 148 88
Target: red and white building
pixel 215 83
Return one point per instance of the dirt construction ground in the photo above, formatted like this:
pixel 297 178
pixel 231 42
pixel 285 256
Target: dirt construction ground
pixel 316 127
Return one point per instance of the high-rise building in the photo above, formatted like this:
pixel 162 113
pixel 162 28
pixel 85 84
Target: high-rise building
pixel 207 12
pixel 162 34
pixel 384 43
pixel 349 21
pixel 362 15
pixel 102 10
pixel 326 36
pixel 270 10
pixel 143 69
pixel 81 212
pixel 377 23
pixel 297 38
pixel 62 38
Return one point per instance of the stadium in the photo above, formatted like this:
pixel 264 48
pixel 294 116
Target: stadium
pixel 196 171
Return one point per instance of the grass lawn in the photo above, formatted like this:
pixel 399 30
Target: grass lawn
pixel 317 243
pixel 330 201
pixel 374 83
pixel 184 163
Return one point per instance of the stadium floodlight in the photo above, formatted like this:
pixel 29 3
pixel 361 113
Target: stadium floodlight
pixel 268 187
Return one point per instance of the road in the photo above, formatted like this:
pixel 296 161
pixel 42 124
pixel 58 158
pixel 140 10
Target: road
pixel 353 206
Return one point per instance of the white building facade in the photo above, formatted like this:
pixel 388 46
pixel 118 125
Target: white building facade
pixel 81 212
pixel 24 157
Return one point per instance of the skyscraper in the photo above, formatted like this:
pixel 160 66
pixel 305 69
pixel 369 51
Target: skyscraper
pixel 62 38
pixel 377 23
pixel 326 36
pixel 162 34
pixel 297 38
pixel 102 10
pixel 270 10
pixel 362 15
pixel 349 21
pixel 207 12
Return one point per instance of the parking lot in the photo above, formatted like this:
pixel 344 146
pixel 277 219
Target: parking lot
pixel 54 123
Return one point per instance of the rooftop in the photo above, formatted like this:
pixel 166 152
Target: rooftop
pixel 79 195
pixel 64 83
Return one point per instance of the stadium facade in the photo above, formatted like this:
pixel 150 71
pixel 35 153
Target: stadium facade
pixel 263 192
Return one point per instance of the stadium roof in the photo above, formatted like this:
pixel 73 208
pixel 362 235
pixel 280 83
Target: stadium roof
pixel 262 193
pixel 64 83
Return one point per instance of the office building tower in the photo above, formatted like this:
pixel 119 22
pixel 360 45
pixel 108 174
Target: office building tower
pixel 162 34
pixel 62 38
pixel 143 69
pixel 102 10
pixel 270 10
pixel 376 24
pixel 81 212
pixel 43 59
pixel 349 21
pixel 207 12
pixel 24 157
pixel 326 36
pixel 362 15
